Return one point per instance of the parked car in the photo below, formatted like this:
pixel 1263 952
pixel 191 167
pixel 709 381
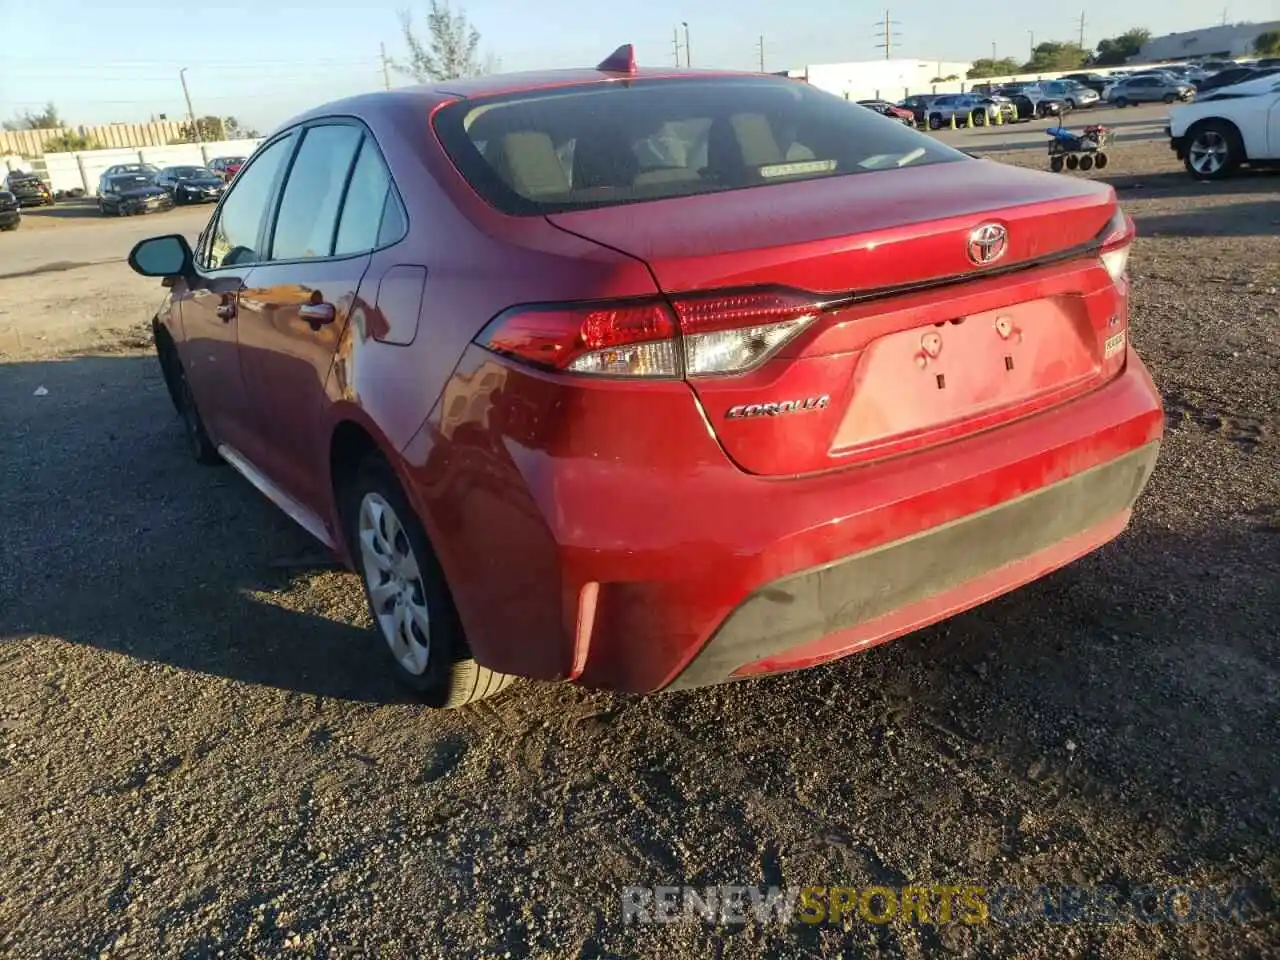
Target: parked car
pixel 10 213
pixel 129 193
pixel 964 108
pixel 119 169
pixel 1074 95
pixel 226 167
pixel 918 104
pixel 28 189
pixel 559 439
pixel 887 109
pixel 191 184
pixel 1041 103
pixel 1228 128
pixel 1233 77
pixel 1096 82
pixel 1149 89
pixel 998 108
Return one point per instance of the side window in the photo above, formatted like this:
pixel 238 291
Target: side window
pixel 371 213
pixel 233 240
pixel 313 192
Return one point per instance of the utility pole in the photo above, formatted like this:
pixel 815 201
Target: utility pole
pixel 195 127
pixel 761 46
pixel 887 33
pixel 993 51
pixel 675 43
pixel 1031 50
pixel 1081 29
pixel 688 51
pixel 386 72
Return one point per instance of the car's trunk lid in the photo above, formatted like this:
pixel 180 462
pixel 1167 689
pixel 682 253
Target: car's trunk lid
pixel 925 345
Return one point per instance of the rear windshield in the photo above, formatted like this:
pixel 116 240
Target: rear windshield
pixel 612 143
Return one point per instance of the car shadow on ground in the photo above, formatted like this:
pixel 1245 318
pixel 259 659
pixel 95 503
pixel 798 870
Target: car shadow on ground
pixel 78 209
pixel 148 555
pixel 1117 718
pixel 168 562
pixel 1245 219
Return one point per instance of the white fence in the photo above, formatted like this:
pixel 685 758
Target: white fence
pixel 81 170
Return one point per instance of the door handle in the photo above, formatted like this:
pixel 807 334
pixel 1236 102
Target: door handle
pixel 226 311
pixel 316 314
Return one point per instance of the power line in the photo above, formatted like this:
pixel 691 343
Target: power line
pixel 888 34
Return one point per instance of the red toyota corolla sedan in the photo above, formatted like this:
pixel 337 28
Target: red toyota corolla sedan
pixel 648 379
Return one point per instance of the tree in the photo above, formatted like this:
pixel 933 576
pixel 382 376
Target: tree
pixel 47 119
pixel 69 141
pixel 452 49
pixel 210 127
pixel 1116 50
pixel 1267 44
pixel 986 67
pixel 1052 55
pixel 234 131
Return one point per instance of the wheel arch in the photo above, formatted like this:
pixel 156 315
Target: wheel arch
pixel 1218 119
pixel 353 436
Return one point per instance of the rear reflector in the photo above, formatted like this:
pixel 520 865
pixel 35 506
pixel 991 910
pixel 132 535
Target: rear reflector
pixel 710 334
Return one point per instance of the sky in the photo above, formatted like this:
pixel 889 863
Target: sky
pixel 264 61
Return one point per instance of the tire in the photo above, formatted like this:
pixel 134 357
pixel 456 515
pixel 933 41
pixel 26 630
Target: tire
pixel 1169 98
pixel 935 121
pixel 1072 161
pixel 1100 161
pixel 201 447
pixel 1214 150
pixel 1055 164
pixel 977 119
pixel 1071 103
pixel 1121 102
pixel 388 547
pixel 1086 163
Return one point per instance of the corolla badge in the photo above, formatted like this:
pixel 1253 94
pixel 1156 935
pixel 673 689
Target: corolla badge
pixel 744 411
pixel 988 243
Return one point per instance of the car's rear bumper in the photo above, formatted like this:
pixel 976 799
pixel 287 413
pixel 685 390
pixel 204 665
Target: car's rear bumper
pixel 639 558
pixel 9 216
pixel 833 610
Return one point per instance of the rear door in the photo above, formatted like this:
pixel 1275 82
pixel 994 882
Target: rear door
pixel 296 304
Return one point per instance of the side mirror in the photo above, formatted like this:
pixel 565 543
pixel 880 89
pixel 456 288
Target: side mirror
pixel 167 256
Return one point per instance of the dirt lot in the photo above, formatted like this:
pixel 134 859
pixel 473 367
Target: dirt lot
pixel 200 756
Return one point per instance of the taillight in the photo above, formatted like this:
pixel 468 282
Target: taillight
pixel 718 333
pixel 1117 241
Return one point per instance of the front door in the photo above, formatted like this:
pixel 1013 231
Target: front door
pixel 211 305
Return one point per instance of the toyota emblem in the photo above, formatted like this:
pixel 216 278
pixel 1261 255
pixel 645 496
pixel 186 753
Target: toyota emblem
pixel 988 243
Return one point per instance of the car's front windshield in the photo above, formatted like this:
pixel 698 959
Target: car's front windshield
pixel 130 181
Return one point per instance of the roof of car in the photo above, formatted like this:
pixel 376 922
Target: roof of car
pixel 428 95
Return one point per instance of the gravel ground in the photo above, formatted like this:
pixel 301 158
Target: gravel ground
pixel 200 755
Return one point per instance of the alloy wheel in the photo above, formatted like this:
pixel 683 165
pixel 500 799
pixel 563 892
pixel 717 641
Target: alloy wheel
pixel 1208 152
pixel 394 580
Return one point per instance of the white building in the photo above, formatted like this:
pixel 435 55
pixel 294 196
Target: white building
pixel 884 79
pixel 1231 41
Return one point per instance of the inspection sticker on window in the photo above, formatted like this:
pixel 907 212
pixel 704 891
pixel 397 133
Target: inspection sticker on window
pixel 798 168
pixel 1113 345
